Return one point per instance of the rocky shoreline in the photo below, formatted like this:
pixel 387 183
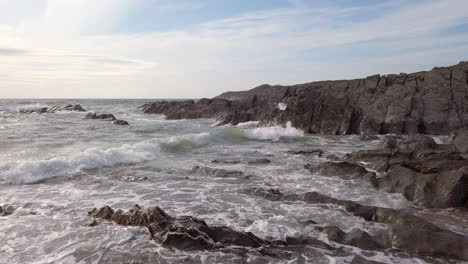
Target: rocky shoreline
pixel 430 102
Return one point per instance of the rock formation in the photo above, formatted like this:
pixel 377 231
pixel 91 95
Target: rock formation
pixel 43 110
pixel 431 102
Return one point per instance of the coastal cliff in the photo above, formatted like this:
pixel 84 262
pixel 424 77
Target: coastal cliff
pixel 428 102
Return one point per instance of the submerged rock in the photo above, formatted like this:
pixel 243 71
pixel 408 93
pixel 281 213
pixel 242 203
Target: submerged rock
pixel 341 169
pixel 100 116
pixel 406 231
pixel 312 152
pixel 259 161
pixel 120 122
pixel 6 210
pixel 222 173
pixel 43 110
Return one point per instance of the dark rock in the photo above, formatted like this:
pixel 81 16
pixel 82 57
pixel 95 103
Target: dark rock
pixel 407 232
pixel 432 102
pixel 226 161
pixel 362 260
pixel 342 169
pixel 459 139
pixel 274 191
pixel 417 142
pixel 100 116
pixel 6 210
pixel 120 122
pixel 259 161
pixel 184 233
pixel 222 173
pixel 313 152
pixel 390 143
pixel 77 108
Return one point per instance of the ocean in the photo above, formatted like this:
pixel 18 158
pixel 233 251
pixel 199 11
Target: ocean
pixel 55 167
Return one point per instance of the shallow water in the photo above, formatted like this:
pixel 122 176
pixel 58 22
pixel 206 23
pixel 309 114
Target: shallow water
pixel 56 167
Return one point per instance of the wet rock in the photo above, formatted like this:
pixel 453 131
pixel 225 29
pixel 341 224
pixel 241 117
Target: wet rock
pixel 313 152
pixel 259 161
pixel 432 102
pixel 92 223
pixel 77 108
pixel 437 190
pixel 459 140
pixel 342 169
pixel 100 116
pixel 133 178
pixel 184 233
pixel 356 238
pixel 417 142
pixel 120 122
pixel 221 173
pixel 6 210
pixel 274 191
pixel 406 231
pixel 429 243
pixel 226 161
pixel 362 260
pixel 390 143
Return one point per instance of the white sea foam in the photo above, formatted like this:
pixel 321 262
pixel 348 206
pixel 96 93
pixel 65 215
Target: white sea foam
pixel 32 171
pixel 274 133
pixel 31 107
pixel 248 124
pixel 282 106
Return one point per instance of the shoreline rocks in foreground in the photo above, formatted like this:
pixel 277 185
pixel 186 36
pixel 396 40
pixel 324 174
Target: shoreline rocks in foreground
pixel 429 102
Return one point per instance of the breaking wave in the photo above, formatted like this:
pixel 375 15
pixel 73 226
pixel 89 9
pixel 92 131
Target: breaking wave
pixel 25 172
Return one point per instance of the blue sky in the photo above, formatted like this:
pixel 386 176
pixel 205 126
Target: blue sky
pixel 200 48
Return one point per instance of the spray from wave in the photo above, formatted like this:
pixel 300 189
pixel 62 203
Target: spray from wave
pixel 24 172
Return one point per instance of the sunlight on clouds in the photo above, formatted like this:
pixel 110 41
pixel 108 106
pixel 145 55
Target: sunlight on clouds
pixel 69 48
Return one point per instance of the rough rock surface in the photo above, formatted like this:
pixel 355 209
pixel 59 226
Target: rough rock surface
pixel 431 102
pixel 428 174
pixel 405 230
pixel 460 140
pixel 6 210
pixel 120 122
pixel 190 233
pixel 100 116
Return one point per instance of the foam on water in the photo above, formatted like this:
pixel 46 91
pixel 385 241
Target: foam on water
pixel 20 172
pixel 274 133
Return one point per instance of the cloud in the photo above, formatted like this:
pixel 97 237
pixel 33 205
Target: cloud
pixel 12 52
pixel 82 57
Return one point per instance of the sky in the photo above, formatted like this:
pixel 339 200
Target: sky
pixel 201 48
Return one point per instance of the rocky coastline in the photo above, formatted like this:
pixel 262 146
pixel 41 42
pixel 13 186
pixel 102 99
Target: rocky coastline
pixel 429 102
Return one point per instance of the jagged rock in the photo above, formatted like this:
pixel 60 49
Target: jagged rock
pixel 406 231
pixel 77 108
pixel 459 139
pixel 6 210
pixel 313 152
pixel 120 122
pixel 426 173
pixel 100 116
pixel 259 161
pixel 184 233
pixel 222 173
pixel 432 102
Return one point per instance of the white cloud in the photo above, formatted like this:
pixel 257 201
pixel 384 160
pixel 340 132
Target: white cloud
pixel 68 54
